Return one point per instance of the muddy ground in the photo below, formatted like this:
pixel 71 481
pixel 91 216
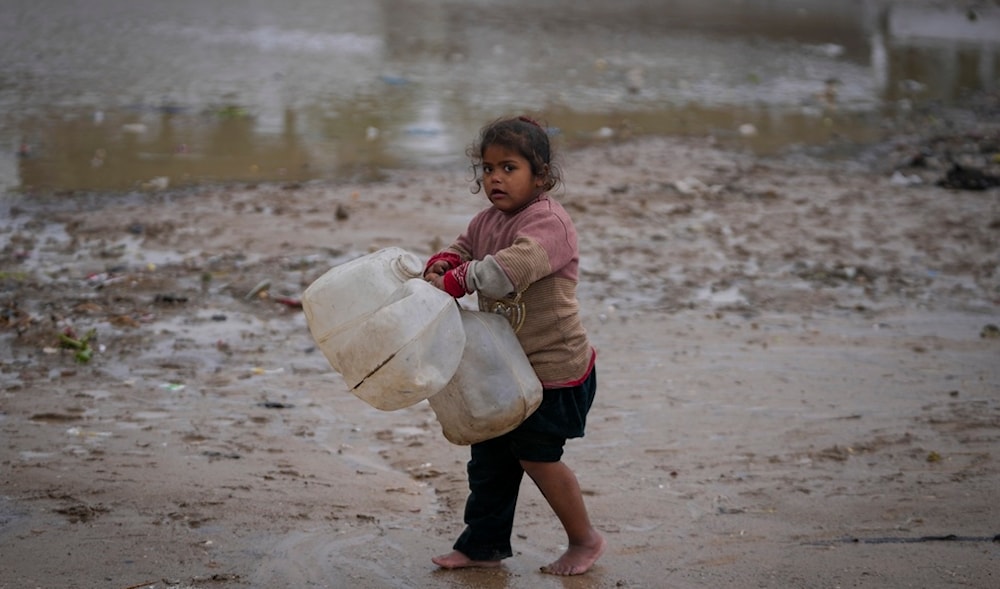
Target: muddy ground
pixel 799 380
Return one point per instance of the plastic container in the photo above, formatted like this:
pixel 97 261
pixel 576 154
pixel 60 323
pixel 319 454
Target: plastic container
pixel 404 352
pixel 395 341
pixel 494 388
pixel 351 291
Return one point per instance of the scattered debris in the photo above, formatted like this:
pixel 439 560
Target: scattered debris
pixel 259 290
pixel 84 351
pixel 169 299
pixel 157 183
pixel 291 302
pixel 966 178
pixel 900 179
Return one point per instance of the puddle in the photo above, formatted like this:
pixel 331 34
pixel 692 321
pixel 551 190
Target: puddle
pixel 139 96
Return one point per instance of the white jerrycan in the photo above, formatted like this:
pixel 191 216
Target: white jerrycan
pixel 494 389
pixel 405 351
pixel 395 340
pixel 347 293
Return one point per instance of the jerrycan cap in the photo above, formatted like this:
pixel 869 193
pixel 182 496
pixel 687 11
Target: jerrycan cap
pixel 406 266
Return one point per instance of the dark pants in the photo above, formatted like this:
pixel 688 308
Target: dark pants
pixel 495 471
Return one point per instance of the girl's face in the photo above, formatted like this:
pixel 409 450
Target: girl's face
pixel 507 178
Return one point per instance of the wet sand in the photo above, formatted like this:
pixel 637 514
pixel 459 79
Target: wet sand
pixel 798 384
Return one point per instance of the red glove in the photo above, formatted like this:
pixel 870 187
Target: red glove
pixel 450 260
pixel 454 281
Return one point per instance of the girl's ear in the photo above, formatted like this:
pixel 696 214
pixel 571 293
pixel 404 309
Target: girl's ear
pixel 542 178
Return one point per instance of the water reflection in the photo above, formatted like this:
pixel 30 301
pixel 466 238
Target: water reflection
pixel 935 54
pixel 124 96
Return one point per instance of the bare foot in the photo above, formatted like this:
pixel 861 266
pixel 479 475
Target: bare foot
pixel 457 560
pixel 578 558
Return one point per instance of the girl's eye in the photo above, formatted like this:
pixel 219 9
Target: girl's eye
pixel 508 168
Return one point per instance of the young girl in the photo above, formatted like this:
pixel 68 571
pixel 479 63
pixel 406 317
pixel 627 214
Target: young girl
pixel 520 256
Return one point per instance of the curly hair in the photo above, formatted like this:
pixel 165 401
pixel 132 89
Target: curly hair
pixel 524 135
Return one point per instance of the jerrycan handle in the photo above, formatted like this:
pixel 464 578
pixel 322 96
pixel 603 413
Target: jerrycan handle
pixel 406 266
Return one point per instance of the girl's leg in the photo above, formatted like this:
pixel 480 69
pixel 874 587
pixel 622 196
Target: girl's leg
pixel 561 489
pixel 494 481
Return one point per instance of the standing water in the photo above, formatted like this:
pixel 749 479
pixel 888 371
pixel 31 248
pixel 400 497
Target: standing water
pixel 120 95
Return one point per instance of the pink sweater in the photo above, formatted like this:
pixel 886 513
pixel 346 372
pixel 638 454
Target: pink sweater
pixel 536 250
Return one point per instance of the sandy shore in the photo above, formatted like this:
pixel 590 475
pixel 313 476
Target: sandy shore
pixel 799 384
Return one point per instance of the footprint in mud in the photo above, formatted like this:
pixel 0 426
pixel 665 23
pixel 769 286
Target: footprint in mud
pixel 80 512
pixel 56 417
pixel 213 455
pixel 192 520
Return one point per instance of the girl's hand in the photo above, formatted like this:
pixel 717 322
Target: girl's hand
pixel 437 268
pixel 450 282
pixel 436 279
